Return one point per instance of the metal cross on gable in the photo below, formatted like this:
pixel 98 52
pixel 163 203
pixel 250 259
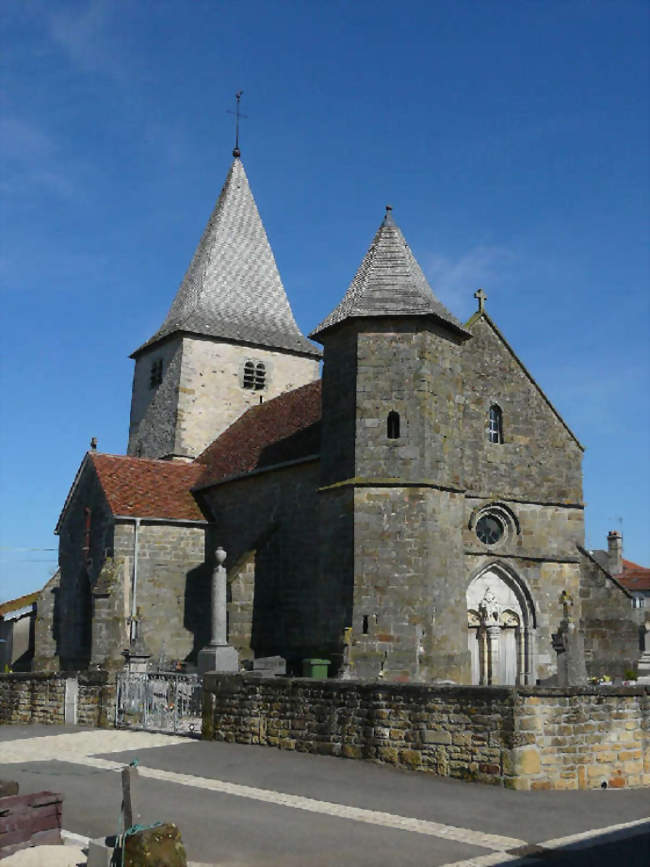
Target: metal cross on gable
pixel 481 296
pixel 235 151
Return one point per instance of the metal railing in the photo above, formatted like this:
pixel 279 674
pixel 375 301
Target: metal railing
pixel 160 701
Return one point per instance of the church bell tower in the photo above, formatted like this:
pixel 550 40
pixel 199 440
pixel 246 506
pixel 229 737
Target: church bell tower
pixel 228 342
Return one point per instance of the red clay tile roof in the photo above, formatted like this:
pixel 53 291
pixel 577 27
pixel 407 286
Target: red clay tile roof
pixel 634 577
pixel 144 488
pixel 20 602
pixel 284 429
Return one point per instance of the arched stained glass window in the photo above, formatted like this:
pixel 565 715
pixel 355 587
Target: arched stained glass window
pixel 495 429
pixel 392 425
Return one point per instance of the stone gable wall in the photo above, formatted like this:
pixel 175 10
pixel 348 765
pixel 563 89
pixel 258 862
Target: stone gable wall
pixel 538 461
pixel 40 698
pixel 521 738
pixel 73 600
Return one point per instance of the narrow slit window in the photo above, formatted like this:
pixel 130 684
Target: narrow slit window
pixel 260 376
pixel 249 375
pixel 495 430
pixel 392 425
pixel 155 374
pixel 365 624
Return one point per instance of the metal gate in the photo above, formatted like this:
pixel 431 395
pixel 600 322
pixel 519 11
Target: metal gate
pixel 161 701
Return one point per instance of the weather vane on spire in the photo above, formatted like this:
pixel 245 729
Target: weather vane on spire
pixel 235 151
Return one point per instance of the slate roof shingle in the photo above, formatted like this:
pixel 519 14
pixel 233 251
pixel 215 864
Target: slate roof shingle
pixel 389 282
pixel 232 288
pixel 283 429
pixel 145 488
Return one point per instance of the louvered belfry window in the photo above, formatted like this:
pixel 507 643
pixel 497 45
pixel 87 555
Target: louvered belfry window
pixel 495 430
pixel 249 375
pixel 260 376
pixel 254 375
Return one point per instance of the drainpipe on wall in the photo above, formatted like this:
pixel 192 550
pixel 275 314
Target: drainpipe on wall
pixel 134 581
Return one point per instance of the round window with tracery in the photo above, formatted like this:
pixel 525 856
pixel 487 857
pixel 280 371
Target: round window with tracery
pixel 489 529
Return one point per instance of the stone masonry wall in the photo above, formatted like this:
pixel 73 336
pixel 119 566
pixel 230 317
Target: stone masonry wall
pixel 407 594
pixel 40 698
pixel 46 656
pixel 581 738
pixel 173 588
pixel 612 628
pixel 399 540
pixel 268 526
pixel 152 427
pixel 520 738
pixel 201 393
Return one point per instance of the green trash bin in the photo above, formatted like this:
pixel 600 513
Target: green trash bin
pixel 315 668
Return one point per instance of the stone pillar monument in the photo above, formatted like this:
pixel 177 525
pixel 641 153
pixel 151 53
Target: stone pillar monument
pixel 218 655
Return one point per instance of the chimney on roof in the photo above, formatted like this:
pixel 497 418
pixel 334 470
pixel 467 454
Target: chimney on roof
pixel 615 552
pixel 93 444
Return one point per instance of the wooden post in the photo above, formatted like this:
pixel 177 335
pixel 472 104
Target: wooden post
pixel 128 773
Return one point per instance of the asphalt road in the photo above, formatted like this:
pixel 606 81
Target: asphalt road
pixel 249 806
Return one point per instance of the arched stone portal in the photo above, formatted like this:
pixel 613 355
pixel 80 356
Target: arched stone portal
pixel 500 619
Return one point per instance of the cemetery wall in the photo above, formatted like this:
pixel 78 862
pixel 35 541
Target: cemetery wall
pixel 40 697
pixel 522 738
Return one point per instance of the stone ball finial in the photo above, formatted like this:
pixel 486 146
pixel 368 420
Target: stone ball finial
pixel 220 555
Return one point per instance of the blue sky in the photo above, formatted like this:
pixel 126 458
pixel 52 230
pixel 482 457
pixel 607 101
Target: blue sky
pixel 511 139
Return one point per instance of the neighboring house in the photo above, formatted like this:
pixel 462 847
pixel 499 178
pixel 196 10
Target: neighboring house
pixel 425 494
pixel 635 578
pixel 17 619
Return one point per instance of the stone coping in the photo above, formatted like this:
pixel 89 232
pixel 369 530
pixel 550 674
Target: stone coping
pixel 91 676
pixel 280 682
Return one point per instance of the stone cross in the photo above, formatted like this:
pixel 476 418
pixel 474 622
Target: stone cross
pixel 566 601
pixel 480 296
pixel 236 152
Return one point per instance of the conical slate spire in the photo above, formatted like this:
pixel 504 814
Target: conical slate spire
pixel 389 282
pixel 232 288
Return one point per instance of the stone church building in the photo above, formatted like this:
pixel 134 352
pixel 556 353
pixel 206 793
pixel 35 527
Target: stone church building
pixel 414 514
